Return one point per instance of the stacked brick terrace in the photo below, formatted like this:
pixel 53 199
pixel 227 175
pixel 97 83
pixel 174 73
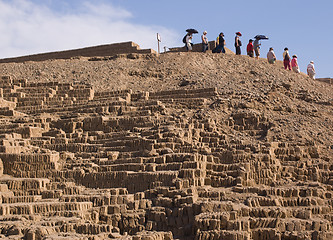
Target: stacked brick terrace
pixel 80 164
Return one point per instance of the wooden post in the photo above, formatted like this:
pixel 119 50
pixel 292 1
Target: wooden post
pixel 158 43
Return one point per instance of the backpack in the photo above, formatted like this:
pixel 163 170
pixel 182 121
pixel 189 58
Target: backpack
pixel 286 57
pixel 184 38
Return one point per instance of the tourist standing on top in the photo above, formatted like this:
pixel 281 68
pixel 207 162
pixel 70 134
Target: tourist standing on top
pixel 189 42
pixel 238 43
pixel 250 48
pixel 271 56
pixel 220 43
pixel 294 64
pixel 286 59
pixel 204 40
pixel 311 70
pixel 256 45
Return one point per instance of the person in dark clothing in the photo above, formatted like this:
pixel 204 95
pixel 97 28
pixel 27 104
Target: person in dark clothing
pixel 286 59
pixel 238 43
pixel 220 43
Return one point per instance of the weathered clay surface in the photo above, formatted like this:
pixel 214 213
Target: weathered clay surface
pixel 188 154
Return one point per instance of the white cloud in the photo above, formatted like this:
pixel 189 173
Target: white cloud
pixel 28 28
pixel 106 11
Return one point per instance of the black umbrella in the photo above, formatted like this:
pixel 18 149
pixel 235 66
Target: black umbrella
pixel 261 37
pixel 191 30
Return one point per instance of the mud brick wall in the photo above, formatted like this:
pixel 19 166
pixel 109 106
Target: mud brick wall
pixel 28 165
pixel 1 167
pixel 138 168
pixel 96 51
pixel 134 182
pixel 196 47
pixel 325 80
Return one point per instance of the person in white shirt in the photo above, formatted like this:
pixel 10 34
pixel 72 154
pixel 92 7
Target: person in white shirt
pixel 311 70
pixel 271 56
pixel 204 41
pixel 189 42
pixel 256 46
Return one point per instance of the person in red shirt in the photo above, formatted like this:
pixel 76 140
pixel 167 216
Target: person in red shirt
pixel 249 48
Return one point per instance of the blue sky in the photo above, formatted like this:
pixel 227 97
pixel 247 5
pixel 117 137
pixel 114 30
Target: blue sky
pixel 33 26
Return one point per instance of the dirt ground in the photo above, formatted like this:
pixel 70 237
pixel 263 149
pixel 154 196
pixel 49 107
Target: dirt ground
pixel 300 107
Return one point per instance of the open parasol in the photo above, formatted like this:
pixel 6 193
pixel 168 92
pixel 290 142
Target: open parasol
pixel 261 37
pixel 191 30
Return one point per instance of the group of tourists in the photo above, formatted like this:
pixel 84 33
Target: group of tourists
pixel 252 49
pixel 291 63
pixel 288 63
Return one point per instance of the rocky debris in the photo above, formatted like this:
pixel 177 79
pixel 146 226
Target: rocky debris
pixel 244 153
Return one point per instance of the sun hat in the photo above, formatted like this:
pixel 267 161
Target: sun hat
pixel 238 33
pixel 295 56
pixel 205 32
